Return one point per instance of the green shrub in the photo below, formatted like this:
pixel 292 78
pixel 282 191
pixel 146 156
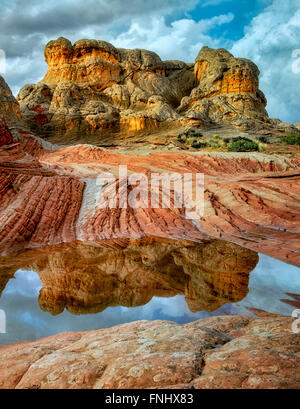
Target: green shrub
pixel 190 133
pixel 291 139
pixel 181 137
pixel 263 139
pixel 243 145
pixel 189 141
pixel 195 142
pixel 238 138
pixel 198 144
pixel 214 143
pixel 262 147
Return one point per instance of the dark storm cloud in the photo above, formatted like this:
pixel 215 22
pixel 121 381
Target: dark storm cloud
pixel 18 46
pixel 30 24
pixel 26 27
pixel 270 41
pixel 19 19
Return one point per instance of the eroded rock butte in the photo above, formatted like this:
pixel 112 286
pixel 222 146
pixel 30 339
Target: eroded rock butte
pixel 93 91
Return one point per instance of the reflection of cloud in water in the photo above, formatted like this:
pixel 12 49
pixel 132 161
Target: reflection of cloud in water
pixel 28 284
pixel 25 320
pixel 269 282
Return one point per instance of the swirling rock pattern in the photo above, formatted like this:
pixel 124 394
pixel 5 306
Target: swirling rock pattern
pixel 249 199
pixel 37 210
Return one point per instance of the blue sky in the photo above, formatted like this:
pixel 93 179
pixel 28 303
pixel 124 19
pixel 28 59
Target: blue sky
pixel 243 10
pixel 266 31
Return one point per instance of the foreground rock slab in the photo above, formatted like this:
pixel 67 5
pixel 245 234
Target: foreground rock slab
pixel 217 352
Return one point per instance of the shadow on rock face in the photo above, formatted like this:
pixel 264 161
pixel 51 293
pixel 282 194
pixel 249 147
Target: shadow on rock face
pixel 87 278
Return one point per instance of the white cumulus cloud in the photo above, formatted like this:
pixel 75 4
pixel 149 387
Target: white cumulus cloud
pixel 270 41
pixel 181 40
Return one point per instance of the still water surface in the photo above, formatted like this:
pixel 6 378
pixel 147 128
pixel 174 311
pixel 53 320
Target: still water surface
pixel 268 283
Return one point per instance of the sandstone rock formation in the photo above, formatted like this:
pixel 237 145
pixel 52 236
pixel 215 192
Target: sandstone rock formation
pixel 219 352
pixel 48 196
pixel 93 90
pixel 9 107
pixel 92 87
pixel 256 208
pixel 86 279
pixel 227 90
pixel 44 202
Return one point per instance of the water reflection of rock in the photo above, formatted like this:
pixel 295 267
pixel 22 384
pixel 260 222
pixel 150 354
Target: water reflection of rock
pixel 87 278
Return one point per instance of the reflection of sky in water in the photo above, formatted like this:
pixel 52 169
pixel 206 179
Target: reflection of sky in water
pixel 25 321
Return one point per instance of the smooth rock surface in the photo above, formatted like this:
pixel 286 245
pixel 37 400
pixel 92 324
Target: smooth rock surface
pixel 218 352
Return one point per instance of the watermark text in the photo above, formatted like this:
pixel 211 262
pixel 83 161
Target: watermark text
pixel 2 322
pixel 154 190
pixel 296 323
pixel 2 62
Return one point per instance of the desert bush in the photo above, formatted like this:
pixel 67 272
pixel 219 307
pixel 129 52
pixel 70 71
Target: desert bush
pixel 243 145
pixel 212 143
pixel 291 139
pixel 262 147
pixel 181 138
pixel 190 133
pixel 198 144
pixel 263 139
pixel 216 142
